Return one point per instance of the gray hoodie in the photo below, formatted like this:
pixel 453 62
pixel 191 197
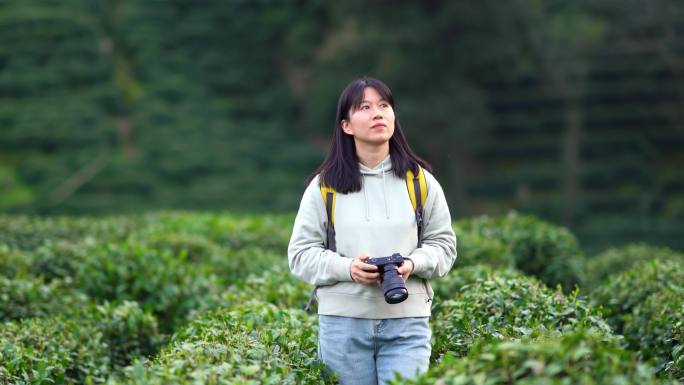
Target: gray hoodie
pixel 377 221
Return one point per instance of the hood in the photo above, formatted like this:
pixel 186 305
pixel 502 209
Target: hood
pixel 380 170
pixel 384 167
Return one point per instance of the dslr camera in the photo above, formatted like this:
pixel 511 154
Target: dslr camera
pixel 392 282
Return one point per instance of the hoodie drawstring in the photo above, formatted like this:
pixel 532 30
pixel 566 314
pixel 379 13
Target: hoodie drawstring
pixel 384 188
pixel 365 197
pixel 365 172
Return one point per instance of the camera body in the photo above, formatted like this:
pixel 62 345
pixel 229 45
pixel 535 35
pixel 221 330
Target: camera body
pixel 393 285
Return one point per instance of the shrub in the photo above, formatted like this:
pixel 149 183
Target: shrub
pixel 448 287
pixel 616 260
pixel 28 232
pixel 255 343
pixel 478 245
pixel 60 259
pixel 166 284
pixel 507 306
pixel 238 264
pixel 31 297
pixel 277 286
pixel 656 329
pixel 622 292
pixel 546 251
pixel 84 347
pixel 579 357
pixel 192 247
pixel 12 262
pixel 232 232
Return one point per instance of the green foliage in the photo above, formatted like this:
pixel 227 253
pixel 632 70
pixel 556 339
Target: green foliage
pixel 171 263
pixel 582 357
pixel 32 297
pixel 167 284
pixel 276 286
pixel 621 293
pixel 655 328
pixel 222 284
pixel 12 262
pixel 28 232
pixel 458 279
pixel 194 108
pixel 231 231
pixel 84 347
pixel 618 259
pixel 536 247
pixel 253 343
pixel 503 305
pixel 479 244
pixel 164 283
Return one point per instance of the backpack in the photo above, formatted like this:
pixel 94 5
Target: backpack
pixel 417 190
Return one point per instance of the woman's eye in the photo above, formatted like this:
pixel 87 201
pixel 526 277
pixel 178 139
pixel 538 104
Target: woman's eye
pixel 384 105
pixel 365 107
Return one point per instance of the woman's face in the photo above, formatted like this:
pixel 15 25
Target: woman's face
pixel 373 122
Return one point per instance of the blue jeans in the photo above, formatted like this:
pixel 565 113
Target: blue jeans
pixel 369 351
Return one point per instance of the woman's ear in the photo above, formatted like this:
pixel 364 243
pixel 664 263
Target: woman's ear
pixel 345 127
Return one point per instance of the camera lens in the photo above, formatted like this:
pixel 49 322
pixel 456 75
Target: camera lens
pixel 396 295
pixel 393 285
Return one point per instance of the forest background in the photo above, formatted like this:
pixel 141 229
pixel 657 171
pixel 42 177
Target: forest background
pixel 569 110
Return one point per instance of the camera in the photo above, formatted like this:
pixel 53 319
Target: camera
pixel 392 282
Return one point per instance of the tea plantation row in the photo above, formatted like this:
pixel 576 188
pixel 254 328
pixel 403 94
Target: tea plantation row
pixel 191 298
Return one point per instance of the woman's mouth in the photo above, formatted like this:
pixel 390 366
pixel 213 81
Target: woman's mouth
pixel 379 125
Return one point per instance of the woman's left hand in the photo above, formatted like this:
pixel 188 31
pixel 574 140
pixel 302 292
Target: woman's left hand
pixel 405 269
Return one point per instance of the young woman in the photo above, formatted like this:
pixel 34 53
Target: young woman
pixel 362 338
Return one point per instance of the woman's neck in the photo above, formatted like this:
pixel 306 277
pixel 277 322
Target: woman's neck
pixel 371 156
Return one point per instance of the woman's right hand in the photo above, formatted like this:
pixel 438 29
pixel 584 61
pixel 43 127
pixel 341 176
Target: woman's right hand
pixel 362 272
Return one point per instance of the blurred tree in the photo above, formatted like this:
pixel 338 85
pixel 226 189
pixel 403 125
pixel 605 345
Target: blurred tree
pixel 571 111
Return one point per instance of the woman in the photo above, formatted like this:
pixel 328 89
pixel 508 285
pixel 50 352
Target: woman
pixel 362 338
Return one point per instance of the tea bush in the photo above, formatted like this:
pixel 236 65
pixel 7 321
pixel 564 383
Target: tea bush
pixel 447 287
pixel 12 262
pixel 166 284
pixel 233 232
pixel 254 343
pixel 277 286
pixel 655 328
pixel 621 293
pixel 31 297
pixel 60 259
pixel 583 357
pixel 546 251
pixel 507 306
pixel 225 282
pixel 191 247
pixel 477 245
pixel 85 346
pixel 616 260
pixel 28 232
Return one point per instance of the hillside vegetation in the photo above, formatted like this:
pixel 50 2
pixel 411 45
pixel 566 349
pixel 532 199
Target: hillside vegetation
pixel 186 298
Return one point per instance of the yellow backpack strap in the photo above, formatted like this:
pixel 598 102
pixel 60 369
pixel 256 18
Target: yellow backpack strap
pixel 417 189
pixel 329 196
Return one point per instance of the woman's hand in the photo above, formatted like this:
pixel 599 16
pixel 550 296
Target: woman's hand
pixel 405 269
pixel 362 272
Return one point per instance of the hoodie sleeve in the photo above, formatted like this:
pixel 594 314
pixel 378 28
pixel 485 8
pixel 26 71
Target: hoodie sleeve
pixel 307 256
pixel 438 251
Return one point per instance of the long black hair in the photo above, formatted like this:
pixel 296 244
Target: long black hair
pixel 340 169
